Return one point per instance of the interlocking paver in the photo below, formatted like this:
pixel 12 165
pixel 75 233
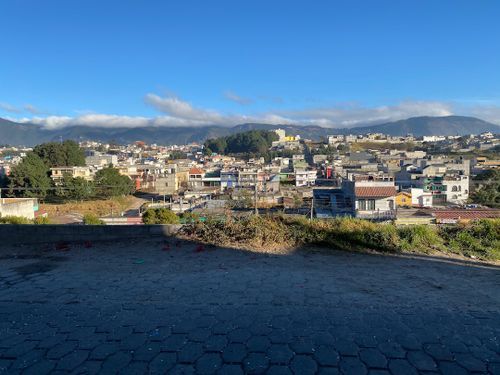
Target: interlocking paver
pixel 190 352
pixel 327 356
pixel 116 362
pixel 99 311
pixel 208 363
pixel 421 361
pixel 258 344
pixel 373 358
pixel 451 368
pixel 230 369
pixel 352 365
pixel 234 352
pixel 279 353
pixel 469 362
pixel 303 364
pixel 162 363
pixel 72 360
pixel 103 351
pixel 401 366
pixel 255 363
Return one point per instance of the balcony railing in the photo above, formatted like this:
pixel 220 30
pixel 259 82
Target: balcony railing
pixel 376 215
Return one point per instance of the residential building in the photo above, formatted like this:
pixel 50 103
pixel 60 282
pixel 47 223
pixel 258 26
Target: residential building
pixel 57 173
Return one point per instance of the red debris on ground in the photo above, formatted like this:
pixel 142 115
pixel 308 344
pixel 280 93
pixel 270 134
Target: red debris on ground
pixel 62 246
pixel 200 248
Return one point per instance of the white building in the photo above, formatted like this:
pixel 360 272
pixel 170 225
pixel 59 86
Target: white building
pixel 433 138
pixel 419 198
pixel 336 139
pixel 281 135
pixel 305 178
pixel 457 189
pixel 101 160
pixel 372 197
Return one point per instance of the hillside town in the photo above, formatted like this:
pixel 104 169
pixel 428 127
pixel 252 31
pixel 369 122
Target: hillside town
pixel 374 176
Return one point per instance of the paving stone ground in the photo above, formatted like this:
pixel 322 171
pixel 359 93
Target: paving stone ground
pixel 135 308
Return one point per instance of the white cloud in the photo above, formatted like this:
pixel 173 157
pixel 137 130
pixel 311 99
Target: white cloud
pixel 489 113
pixel 230 95
pixel 352 115
pixel 27 108
pixel 10 108
pixel 32 109
pixel 178 108
pixel 179 113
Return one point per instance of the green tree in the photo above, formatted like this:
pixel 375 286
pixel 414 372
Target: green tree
pixel 159 216
pixel 67 154
pixel 110 183
pixel 487 191
pixel 255 142
pixel 76 188
pixel 217 145
pixel 30 178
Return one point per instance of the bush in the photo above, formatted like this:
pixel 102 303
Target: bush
pixel 91 219
pixel 159 216
pixel 41 220
pixel 423 238
pixel 15 220
pixel 480 238
pixel 189 217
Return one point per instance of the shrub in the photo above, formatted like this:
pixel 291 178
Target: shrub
pixel 159 216
pixel 15 220
pixel 421 238
pixel 41 220
pixel 189 217
pixel 91 219
pixel 480 238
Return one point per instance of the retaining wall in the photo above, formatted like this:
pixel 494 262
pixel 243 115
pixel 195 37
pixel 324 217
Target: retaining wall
pixel 32 234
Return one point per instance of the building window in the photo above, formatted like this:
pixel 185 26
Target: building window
pixel 370 204
pixel 362 204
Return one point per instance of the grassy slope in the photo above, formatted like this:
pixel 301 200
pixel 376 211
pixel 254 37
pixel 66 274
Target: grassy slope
pixel 479 240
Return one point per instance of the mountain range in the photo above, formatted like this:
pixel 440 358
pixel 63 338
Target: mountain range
pixel 26 134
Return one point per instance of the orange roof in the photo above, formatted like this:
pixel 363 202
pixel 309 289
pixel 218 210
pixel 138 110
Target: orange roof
pixel 375 191
pixel 196 171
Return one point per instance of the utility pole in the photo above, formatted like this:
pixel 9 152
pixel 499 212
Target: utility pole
pixel 312 207
pixel 255 196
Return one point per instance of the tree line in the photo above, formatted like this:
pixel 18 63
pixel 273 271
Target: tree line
pixel 31 177
pixel 255 142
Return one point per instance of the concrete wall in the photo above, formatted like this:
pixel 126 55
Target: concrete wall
pixel 33 234
pixel 18 207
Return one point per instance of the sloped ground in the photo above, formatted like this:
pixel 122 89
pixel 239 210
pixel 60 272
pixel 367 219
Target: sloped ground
pixel 140 307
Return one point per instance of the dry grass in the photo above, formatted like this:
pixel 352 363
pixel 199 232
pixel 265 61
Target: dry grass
pixel 478 240
pixel 95 207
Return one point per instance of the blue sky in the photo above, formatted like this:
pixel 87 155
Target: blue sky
pixel 190 63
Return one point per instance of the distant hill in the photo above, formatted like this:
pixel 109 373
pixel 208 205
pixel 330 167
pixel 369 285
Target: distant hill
pixel 420 126
pixel 30 134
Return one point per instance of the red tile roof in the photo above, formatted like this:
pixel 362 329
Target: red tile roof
pixel 196 171
pixel 466 214
pixel 375 191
